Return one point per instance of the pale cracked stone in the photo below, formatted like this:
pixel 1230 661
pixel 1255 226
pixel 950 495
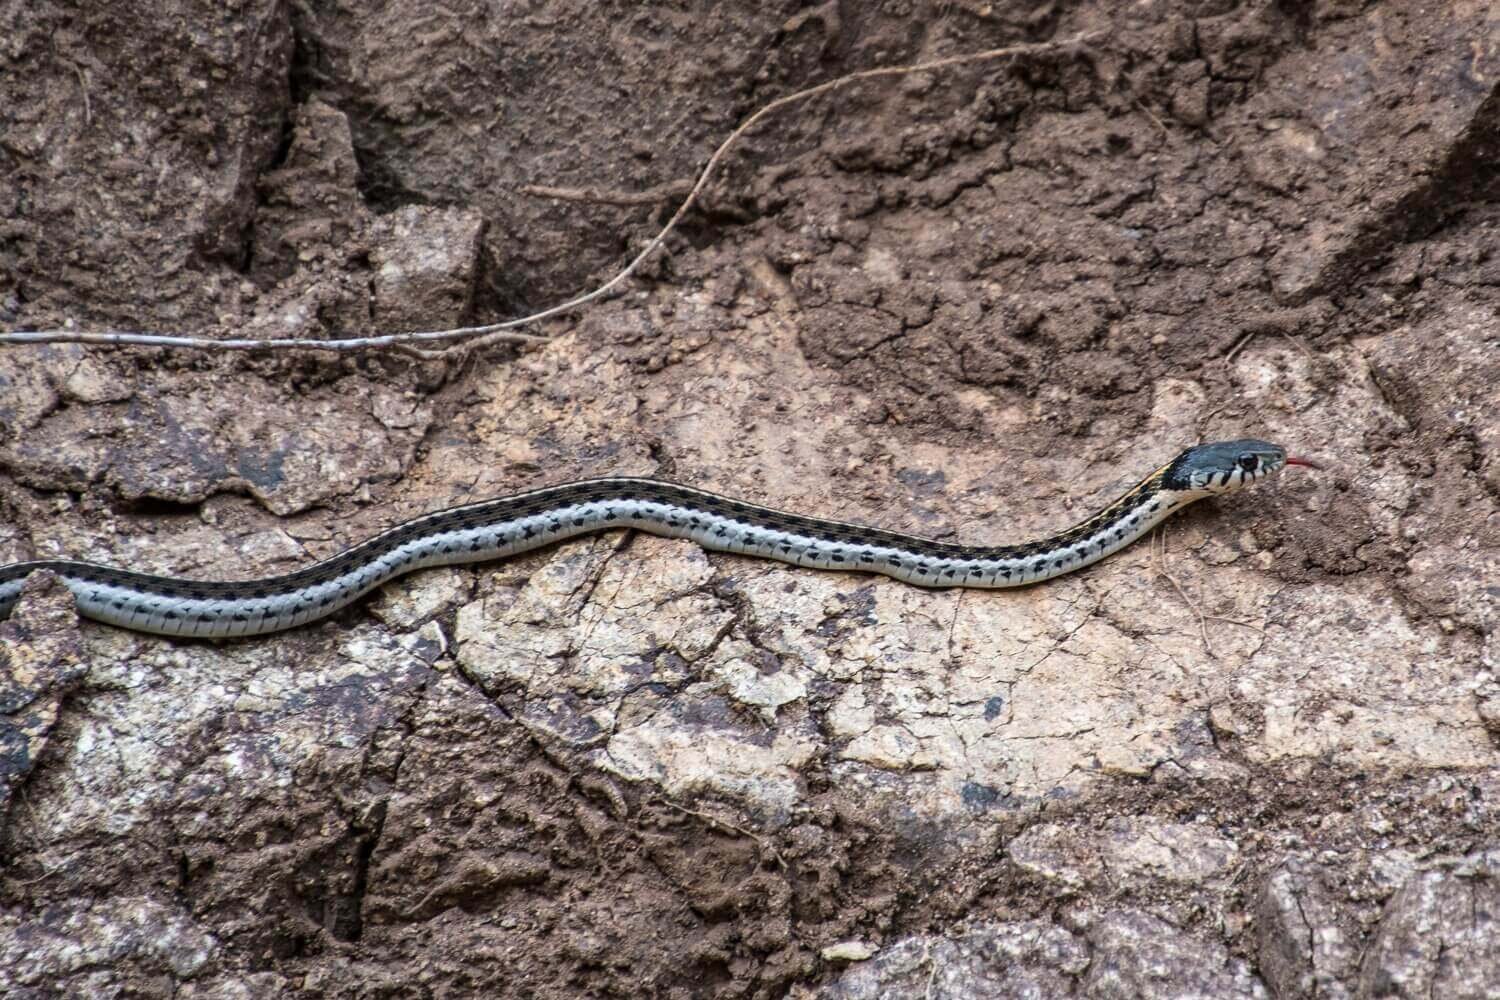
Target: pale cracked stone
pixel 426 261
pixel 691 759
pixel 1010 693
pixel 848 951
pixel 1113 955
pixel 1308 942
pixel 1382 691
pixel 1129 850
pixel 595 622
pixel 591 640
pixel 407 602
pixel 996 699
pixel 1439 935
pixel 750 684
pixel 172 725
pixel 122 933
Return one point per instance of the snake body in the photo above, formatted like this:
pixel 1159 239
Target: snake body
pixel 507 526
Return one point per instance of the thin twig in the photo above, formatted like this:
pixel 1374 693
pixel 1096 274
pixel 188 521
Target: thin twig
pixel 123 339
pixel 1235 621
pixel 745 126
pixel 1239 345
pixel 726 825
pixel 83 84
pixel 1299 345
pixel 1152 115
pixel 494 332
pixel 651 196
pixel 1160 567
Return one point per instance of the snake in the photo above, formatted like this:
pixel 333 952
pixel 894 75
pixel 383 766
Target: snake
pixel 510 525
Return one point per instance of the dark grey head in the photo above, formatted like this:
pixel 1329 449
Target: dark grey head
pixel 1225 466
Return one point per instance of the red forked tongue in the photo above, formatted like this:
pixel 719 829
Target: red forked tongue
pixel 1302 461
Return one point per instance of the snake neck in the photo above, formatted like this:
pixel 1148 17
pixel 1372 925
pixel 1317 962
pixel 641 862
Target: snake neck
pixel 1139 510
pixel 1114 527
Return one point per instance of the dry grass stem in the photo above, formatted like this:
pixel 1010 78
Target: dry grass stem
pixel 651 196
pixel 724 824
pixel 477 337
pixel 1159 566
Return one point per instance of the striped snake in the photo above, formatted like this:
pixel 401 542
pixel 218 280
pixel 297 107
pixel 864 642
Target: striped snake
pixel 493 529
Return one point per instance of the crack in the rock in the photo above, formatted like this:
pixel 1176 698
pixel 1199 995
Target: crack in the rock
pixel 1046 736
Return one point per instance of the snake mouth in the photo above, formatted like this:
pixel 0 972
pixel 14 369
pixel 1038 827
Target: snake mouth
pixel 1306 463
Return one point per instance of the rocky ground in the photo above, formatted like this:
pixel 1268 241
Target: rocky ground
pixel 1259 757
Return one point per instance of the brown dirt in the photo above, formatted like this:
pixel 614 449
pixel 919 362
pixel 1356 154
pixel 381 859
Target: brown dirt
pixel 1286 212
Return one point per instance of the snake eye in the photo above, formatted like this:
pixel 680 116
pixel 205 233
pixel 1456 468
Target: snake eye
pixel 1248 462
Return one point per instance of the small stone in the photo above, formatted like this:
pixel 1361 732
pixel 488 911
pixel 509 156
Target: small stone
pixel 426 260
pixel 849 951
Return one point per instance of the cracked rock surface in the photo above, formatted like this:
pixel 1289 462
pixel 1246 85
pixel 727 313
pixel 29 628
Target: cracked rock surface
pixel 1258 756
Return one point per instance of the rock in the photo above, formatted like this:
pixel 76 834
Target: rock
pixel 1135 955
pixel 412 600
pixel 188 443
pixel 426 263
pixel 311 202
pixel 1439 935
pixel 848 951
pixel 1307 941
pixel 1059 854
pixel 112 939
pixel 1143 849
pixel 998 961
pixel 1253 754
pixel 1135 850
pixel 41 664
pixel 1119 953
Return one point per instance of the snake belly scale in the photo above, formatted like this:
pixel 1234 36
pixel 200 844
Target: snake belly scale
pixel 507 526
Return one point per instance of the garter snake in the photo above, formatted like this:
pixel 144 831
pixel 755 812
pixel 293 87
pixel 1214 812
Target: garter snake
pixel 510 525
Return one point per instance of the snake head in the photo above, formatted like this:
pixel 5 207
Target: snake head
pixel 1226 466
